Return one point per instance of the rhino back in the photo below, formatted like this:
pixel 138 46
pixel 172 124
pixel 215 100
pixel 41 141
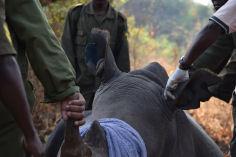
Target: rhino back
pixel 153 71
pixel 138 101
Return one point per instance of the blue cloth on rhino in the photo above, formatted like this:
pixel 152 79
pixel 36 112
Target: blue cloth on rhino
pixel 122 139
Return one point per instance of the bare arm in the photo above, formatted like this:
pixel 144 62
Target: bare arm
pixel 204 38
pixel 207 35
pixel 13 96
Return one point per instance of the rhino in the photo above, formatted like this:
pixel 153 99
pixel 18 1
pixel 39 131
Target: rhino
pixel 136 98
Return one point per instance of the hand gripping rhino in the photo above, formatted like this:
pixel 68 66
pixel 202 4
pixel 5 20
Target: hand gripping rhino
pixel 131 118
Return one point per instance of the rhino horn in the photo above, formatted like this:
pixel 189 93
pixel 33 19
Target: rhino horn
pixel 73 144
pixel 189 94
pixel 106 67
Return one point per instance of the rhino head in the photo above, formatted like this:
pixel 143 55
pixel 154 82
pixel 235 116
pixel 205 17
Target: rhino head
pixel 119 97
pixel 104 65
pixel 188 94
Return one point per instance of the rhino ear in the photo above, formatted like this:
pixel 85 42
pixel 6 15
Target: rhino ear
pixel 96 139
pixel 189 94
pixel 106 67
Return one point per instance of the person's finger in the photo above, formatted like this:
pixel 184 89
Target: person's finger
pixel 79 123
pixel 77 102
pixel 172 86
pixel 75 115
pixel 81 97
pixel 74 108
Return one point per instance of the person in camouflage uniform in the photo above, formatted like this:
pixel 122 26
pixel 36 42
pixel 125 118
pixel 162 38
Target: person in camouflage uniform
pixel 220 58
pixel 79 23
pixel 35 42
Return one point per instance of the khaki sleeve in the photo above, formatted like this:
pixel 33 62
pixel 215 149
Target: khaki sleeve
pixel 44 51
pixel 5 46
pixel 225 16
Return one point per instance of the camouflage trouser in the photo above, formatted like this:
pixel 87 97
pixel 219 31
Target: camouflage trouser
pixel 225 66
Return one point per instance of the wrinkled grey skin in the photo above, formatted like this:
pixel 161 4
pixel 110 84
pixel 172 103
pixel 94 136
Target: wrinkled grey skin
pixel 137 98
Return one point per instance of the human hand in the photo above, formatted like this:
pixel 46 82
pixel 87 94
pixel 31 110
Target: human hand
pixel 33 146
pixel 178 76
pixel 73 107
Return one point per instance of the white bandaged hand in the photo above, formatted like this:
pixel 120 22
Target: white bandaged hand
pixel 178 76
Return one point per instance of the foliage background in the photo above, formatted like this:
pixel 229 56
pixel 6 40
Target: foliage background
pixel 159 30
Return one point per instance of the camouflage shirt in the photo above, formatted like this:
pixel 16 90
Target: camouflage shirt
pixel 5 46
pixel 2 9
pixel 79 23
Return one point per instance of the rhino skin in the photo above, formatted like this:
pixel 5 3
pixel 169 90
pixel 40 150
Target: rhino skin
pixel 137 99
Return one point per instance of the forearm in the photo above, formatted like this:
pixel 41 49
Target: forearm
pixel 13 96
pixel 207 35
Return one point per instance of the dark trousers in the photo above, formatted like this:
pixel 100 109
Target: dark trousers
pixel 225 66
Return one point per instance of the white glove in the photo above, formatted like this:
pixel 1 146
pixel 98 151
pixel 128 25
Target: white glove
pixel 235 90
pixel 178 76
